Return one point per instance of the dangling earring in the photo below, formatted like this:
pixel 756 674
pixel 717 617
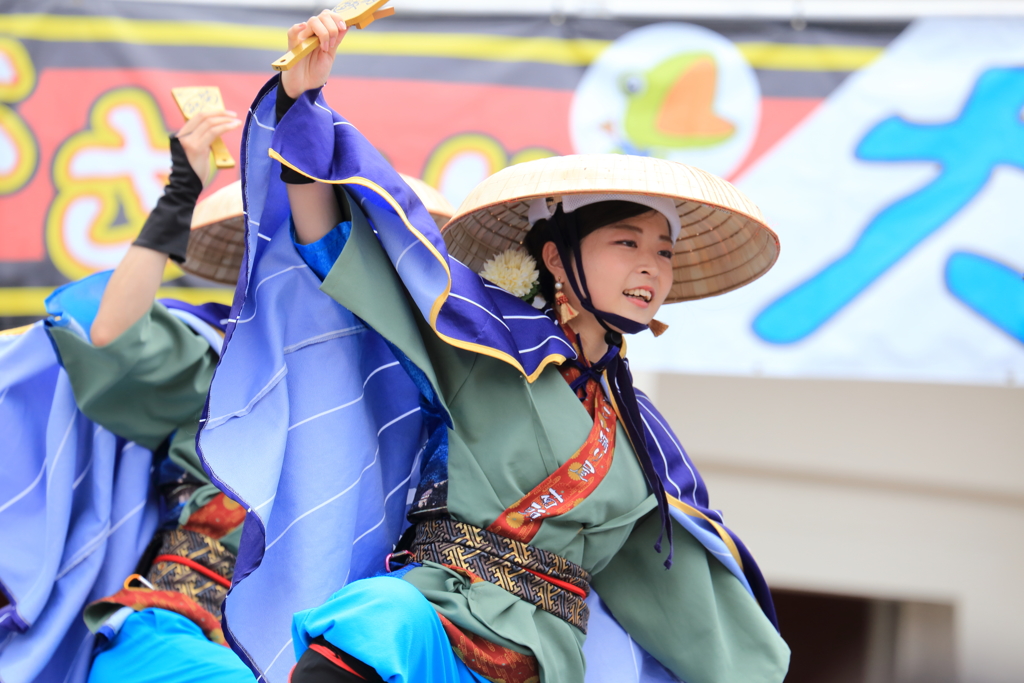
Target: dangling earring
pixel 657 327
pixel 563 308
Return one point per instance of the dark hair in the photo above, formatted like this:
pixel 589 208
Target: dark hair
pixel 590 218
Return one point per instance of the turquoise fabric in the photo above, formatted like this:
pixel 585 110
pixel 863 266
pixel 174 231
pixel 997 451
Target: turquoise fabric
pixel 76 304
pixel 321 255
pixel 158 646
pixel 387 623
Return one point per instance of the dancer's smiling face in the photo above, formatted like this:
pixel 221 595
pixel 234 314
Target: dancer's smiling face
pixel 628 265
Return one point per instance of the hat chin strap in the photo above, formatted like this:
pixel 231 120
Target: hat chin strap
pixel 567 241
pixel 615 367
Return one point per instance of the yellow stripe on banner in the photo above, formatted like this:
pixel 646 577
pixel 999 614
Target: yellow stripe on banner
pixel 59 28
pixel 471 46
pixel 66 29
pixel 29 301
pixel 558 51
pixel 23 301
pixel 789 57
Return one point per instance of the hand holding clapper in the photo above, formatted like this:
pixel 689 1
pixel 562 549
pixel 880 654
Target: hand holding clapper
pixel 358 13
pixel 193 100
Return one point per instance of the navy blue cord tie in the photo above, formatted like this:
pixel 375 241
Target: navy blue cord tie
pixel 591 371
pixel 566 237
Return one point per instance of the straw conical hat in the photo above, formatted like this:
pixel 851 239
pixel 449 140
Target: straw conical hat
pixel 724 242
pixel 433 200
pixel 216 246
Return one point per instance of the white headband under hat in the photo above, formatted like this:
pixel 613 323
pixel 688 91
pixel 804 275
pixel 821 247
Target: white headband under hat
pixel 666 206
pixel 727 242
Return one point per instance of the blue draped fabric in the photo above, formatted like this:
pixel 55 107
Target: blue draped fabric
pixel 464 311
pixel 76 512
pixel 301 379
pixel 77 505
pixel 311 424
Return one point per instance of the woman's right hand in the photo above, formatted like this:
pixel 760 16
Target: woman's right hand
pixel 198 134
pixel 313 70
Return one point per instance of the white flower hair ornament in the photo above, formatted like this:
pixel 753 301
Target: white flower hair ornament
pixel 516 272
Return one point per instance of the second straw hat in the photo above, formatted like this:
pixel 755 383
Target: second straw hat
pixel 724 241
pixel 433 200
pixel 216 246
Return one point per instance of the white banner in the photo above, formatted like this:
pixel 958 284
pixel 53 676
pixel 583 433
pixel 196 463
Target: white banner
pixel 898 203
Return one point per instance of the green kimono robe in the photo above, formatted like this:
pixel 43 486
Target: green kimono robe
pixel 508 435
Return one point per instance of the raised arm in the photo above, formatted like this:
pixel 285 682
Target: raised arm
pixel 129 294
pixel 315 209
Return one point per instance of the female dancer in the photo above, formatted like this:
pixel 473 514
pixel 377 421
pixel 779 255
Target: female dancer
pixel 544 473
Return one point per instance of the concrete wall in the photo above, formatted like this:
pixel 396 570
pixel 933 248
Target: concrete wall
pixel 902 492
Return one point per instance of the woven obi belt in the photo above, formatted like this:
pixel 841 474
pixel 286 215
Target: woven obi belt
pixel 190 573
pixel 195 565
pixel 542 578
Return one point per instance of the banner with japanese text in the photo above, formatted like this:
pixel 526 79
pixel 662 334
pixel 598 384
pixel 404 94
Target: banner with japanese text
pixel 885 156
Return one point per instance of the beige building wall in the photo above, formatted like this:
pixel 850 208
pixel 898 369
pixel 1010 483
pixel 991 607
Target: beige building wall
pixel 905 492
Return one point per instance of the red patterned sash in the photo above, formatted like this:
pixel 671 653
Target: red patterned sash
pixel 141 598
pixel 217 518
pixel 493 662
pixel 192 573
pixel 574 480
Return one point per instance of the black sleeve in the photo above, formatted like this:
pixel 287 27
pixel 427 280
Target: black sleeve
pixel 292 177
pixel 167 228
pixel 283 104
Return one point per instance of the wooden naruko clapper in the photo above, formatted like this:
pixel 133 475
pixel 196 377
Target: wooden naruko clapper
pixel 193 100
pixel 358 13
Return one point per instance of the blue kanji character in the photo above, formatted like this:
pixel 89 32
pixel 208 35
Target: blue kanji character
pixel 989 132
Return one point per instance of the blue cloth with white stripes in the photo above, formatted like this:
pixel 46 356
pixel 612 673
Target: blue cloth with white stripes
pixel 315 428
pixel 76 512
pixel 77 504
